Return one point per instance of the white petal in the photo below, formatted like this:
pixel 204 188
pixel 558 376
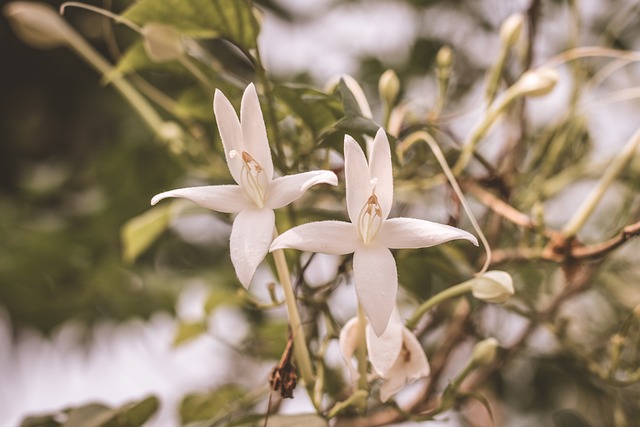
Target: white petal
pixel 254 131
pixel 251 236
pixel 230 132
pixel 348 341
pixel 416 364
pixel 381 170
pixel 286 189
pixel 384 349
pixel 376 281
pixel 410 366
pixel 394 383
pixel 397 233
pixel 220 198
pixel 358 181
pixel 327 237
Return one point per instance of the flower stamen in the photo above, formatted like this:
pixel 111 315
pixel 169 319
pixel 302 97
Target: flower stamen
pixel 252 179
pixel 370 219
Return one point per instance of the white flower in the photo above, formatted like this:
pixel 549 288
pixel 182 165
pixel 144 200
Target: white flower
pixel 493 286
pixel 396 356
pixel 370 235
pixel 258 193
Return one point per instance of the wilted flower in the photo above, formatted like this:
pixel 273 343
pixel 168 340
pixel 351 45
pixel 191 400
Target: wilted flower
pixel 370 235
pixel 396 356
pixel 258 193
pixel 493 286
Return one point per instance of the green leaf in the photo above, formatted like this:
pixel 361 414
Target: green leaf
pixel 219 296
pixel 188 331
pixel 91 415
pixel 230 19
pixel 214 405
pixel 135 59
pixel 136 413
pixel 195 103
pixel 140 232
pixel 317 110
pixel 40 421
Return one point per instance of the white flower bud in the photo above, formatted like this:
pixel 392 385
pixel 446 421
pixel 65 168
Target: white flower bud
pixel 162 42
pixel 511 29
pixel 493 286
pixel 485 351
pixel 537 82
pixel 444 58
pixel 38 24
pixel 389 87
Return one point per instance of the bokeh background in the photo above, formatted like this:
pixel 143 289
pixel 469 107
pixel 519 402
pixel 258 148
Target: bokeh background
pixel 79 324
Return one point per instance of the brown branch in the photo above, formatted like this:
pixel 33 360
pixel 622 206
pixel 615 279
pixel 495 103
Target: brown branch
pixel 600 249
pixel 501 207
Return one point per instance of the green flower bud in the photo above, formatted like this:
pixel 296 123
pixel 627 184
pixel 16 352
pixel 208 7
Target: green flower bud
pixel 537 82
pixel 38 24
pixel 444 58
pixel 493 286
pixel 511 29
pixel 162 42
pixel 484 352
pixel 389 87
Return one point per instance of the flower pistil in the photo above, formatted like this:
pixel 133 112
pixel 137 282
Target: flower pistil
pixel 370 217
pixel 252 179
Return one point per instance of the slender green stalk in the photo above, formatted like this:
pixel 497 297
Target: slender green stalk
pixel 433 145
pixel 300 349
pixel 361 350
pixel 452 292
pixel 613 170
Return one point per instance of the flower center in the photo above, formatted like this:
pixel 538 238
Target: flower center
pixel 252 178
pixel 370 218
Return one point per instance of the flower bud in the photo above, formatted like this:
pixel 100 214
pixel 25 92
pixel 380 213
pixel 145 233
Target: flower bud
pixel 484 352
pixel 38 24
pixel 537 82
pixel 511 29
pixel 389 87
pixel 444 58
pixel 162 42
pixel 493 286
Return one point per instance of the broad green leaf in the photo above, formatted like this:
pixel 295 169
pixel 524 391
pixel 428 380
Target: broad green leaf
pixel 91 415
pixel 140 232
pixel 230 19
pixel 135 59
pixel 195 103
pixel 316 109
pixel 214 405
pixel 188 331
pixel 136 413
pixel 40 421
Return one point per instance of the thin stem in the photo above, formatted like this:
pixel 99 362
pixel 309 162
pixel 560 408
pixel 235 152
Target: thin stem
pixel 361 350
pixel 452 292
pixel 300 349
pixel 613 170
pixel 433 145
pixel 117 18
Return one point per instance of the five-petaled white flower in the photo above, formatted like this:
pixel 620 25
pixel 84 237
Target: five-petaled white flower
pixel 370 235
pixel 258 193
pixel 396 356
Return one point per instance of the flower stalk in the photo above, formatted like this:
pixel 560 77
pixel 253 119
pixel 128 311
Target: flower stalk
pixel 616 167
pixel 452 292
pixel 300 349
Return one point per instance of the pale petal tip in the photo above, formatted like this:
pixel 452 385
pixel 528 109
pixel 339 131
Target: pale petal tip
pixel 155 199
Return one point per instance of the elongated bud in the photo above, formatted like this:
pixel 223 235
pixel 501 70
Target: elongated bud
pixel 511 29
pixel 162 42
pixel 389 87
pixel 38 24
pixel 493 286
pixel 484 352
pixel 537 82
pixel 444 58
